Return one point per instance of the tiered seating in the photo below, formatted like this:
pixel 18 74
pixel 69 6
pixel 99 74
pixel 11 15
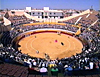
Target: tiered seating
pixel 6 39
pixel 17 20
pixel 86 20
pixel 90 19
pixel 79 62
pixel 72 21
pixel 11 70
pixel 20 29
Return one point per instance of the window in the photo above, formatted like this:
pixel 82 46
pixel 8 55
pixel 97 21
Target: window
pixel 42 13
pixel 54 13
pixel 30 13
pixel 50 13
pixel 45 13
pixel 33 13
pixel 61 17
pixel 42 16
pixel 38 13
pixel 13 12
pixel 46 16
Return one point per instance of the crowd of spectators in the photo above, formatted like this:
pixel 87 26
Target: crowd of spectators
pixel 20 29
pixel 89 59
pixel 17 20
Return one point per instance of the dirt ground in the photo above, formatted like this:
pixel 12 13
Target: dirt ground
pixel 56 46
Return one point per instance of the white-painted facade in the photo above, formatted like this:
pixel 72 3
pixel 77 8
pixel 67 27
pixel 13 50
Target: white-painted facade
pixel 46 13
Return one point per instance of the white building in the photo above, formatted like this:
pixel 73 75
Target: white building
pixel 46 13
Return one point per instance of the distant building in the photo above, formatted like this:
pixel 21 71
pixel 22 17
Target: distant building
pixel 46 13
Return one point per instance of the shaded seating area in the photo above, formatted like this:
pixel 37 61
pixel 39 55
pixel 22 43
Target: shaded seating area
pixel 6 39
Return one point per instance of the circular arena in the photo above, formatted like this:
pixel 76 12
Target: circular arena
pixel 51 43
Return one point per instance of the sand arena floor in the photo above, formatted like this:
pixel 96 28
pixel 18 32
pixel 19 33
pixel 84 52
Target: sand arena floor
pixel 50 43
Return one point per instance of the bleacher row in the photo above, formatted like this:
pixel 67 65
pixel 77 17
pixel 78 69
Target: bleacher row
pixel 17 20
pixel 86 19
pixel 21 29
pixel 6 39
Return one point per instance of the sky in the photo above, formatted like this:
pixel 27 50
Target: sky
pixel 53 4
